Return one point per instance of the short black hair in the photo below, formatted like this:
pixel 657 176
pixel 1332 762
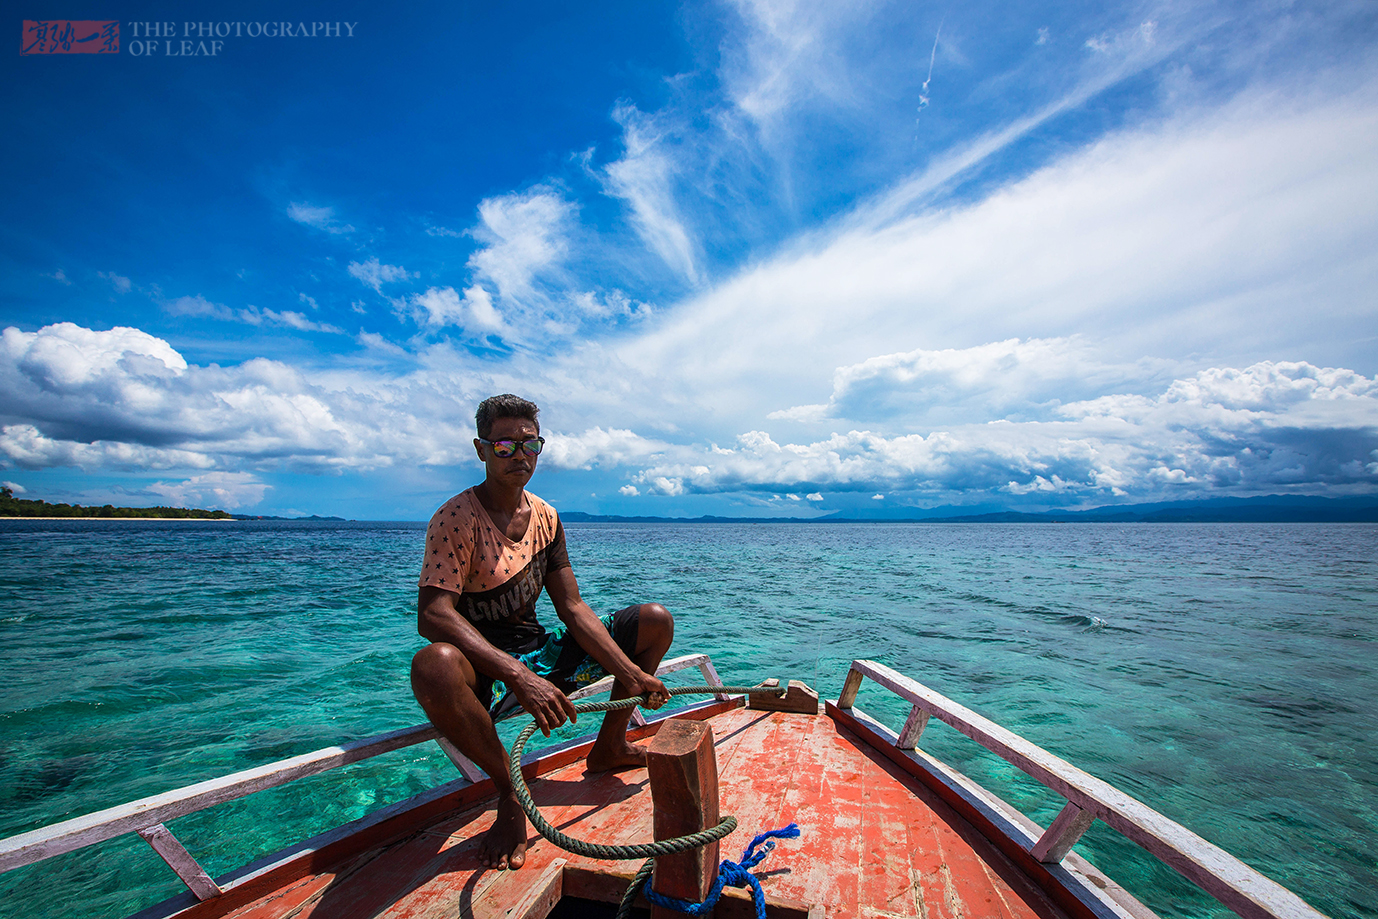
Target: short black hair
pixel 504 406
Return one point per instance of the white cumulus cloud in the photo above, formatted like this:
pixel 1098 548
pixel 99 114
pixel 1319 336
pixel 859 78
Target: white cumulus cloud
pixel 1267 427
pixel 524 236
pixel 601 447
pixel 123 398
pixel 962 385
pixel 442 306
pixel 221 490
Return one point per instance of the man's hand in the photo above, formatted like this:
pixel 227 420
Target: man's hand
pixel 647 685
pixel 550 707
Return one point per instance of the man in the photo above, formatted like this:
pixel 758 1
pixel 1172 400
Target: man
pixel 489 551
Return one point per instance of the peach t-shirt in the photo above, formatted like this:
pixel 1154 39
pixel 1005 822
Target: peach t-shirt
pixel 498 579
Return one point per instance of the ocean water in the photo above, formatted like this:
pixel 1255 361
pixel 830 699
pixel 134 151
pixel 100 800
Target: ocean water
pixel 1223 674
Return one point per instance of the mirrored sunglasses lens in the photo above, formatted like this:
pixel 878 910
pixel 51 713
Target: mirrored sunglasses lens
pixel 502 449
pixel 533 447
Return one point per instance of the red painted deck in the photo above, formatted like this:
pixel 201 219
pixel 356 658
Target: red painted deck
pixel 875 842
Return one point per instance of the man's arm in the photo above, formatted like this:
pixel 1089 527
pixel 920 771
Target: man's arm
pixel 439 619
pixel 589 632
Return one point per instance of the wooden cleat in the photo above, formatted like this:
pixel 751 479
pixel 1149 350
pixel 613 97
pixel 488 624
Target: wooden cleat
pixel 798 698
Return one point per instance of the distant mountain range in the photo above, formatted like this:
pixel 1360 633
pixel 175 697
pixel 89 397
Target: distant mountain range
pixel 1262 509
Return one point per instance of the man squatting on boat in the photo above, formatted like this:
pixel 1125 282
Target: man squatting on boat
pixel 489 551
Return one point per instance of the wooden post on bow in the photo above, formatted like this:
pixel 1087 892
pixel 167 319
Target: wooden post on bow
pixel 683 769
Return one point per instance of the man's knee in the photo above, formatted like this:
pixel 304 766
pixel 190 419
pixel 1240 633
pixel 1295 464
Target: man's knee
pixel 439 664
pixel 656 622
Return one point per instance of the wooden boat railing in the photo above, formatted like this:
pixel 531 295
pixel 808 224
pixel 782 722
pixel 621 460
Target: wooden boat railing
pixel 1226 878
pixel 148 816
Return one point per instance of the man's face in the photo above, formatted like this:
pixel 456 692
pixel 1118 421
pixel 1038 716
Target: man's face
pixel 516 470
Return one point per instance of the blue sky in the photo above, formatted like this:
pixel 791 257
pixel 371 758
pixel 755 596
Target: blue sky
pixel 754 258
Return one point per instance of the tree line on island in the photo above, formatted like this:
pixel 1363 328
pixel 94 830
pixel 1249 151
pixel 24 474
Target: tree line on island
pixel 10 506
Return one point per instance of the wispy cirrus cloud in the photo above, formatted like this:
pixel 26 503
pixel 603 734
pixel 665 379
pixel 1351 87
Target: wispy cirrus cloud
pixel 122 285
pixel 321 218
pixel 795 56
pixel 198 305
pixel 373 273
pixel 1222 232
pixel 645 177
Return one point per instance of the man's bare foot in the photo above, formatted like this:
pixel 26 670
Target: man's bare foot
pixel 504 845
pixel 625 756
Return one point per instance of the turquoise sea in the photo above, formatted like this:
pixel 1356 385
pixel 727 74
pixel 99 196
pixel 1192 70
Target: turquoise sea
pixel 1224 674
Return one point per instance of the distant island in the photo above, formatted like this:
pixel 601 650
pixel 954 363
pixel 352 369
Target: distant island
pixel 269 517
pixel 10 506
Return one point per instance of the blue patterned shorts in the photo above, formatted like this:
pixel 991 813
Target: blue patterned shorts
pixel 561 661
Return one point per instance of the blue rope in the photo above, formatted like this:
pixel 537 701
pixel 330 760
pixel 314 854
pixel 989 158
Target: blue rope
pixel 731 874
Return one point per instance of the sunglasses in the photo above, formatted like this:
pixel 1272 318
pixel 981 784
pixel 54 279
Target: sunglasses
pixel 504 449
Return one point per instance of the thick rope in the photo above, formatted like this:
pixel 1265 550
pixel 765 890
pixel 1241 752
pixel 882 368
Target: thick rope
pixel 641 850
pixel 648 850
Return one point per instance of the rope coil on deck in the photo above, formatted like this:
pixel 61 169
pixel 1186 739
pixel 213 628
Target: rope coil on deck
pixel 648 850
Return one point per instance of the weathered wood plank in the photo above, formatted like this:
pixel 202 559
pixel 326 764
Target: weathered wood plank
pixel 1235 884
pixel 884 885
pixel 1062 834
pixel 834 821
pixel 710 676
pixel 850 686
pixel 467 767
pixel 913 728
pixel 180 860
pixel 764 766
pixel 522 894
pixel 809 857
pixel 290 900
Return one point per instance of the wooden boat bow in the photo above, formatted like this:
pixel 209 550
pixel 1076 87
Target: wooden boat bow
pixel 888 830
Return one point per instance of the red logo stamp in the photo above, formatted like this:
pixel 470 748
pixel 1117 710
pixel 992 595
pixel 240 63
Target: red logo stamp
pixel 69 36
